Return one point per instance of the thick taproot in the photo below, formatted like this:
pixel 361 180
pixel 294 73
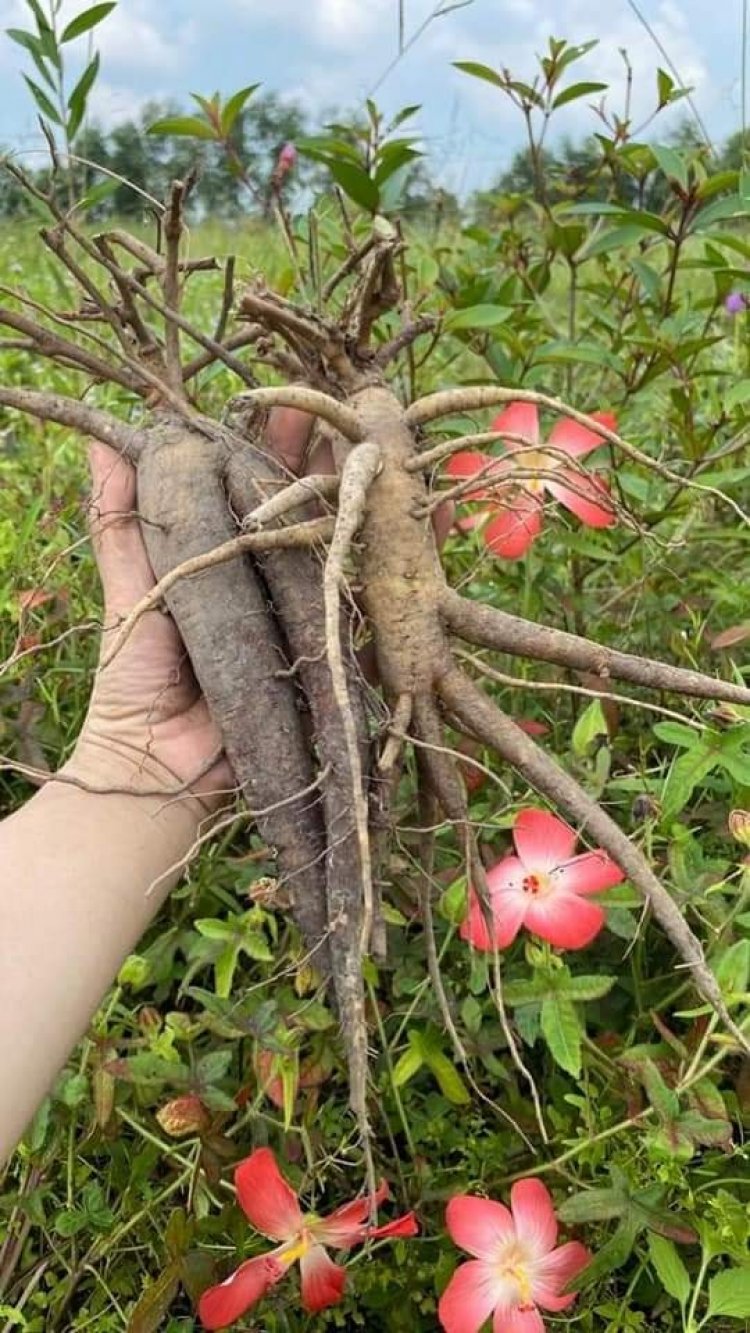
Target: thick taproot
pixel 237 654
pixel 402 579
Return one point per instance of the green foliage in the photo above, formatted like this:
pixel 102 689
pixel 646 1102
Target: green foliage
pixel 598 273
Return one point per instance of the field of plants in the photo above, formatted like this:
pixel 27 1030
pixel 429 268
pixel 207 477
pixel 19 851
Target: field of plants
pixel 575 1053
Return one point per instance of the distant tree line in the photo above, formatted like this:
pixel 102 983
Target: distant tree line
pixel 579 170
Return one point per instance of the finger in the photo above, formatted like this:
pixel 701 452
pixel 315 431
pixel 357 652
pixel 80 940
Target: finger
pixel 121 557
pixel 288 435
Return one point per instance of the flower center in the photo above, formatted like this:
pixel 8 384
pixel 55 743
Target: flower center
pixel 530 461
pixel 513 1267
pixel 536 884
pixel 296 1249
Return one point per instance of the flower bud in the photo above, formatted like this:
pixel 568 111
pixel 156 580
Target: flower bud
pixel 184 1115
pixel 739 826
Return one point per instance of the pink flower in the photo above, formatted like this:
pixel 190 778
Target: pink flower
pixel 287 158
pixel 544 887
pixel 272 1207
pixel 515 507
pixel 515 1266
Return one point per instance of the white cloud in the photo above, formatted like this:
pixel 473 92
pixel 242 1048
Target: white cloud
pixel 582 21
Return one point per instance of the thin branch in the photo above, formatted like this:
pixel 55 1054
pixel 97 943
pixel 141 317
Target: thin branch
pixel 352 261
pixel 171 281
pixel 78 416
pixel 486 627
pixel 561 686
pixel 408 335
pixel 304 534
pixel 397 731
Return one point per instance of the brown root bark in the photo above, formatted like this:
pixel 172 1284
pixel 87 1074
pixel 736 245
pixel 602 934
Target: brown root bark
pixel 237 655
pixel 486 627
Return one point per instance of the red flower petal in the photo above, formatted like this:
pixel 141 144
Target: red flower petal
pixel 474 927
pixel 586 497
pixel 405 1227
pixel 534 1216
pixel 510 533
pixel 348 1225
pixel 220 1306
pixel 577 440
pixel 518 419
pixel 555 1272
pixel 469 1298
pixel 593 872
pixel 542 840
pixel 518 1320
pixel 479 1226
pixel 466 463
pixel 508 899
pixel 566 920
pixel 265 1197
pixel 323 1281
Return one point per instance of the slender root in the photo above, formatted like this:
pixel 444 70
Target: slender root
pixel 398 727
pixel 318 404
pixel 486 627
pixel 475 397
pixel 360 470
pixel 471 705
pixel 304 534
pixel 128 440
pixel 443 780
pixel 299 493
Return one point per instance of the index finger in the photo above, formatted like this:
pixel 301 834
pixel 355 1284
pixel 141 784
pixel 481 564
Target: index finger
pixel 288 435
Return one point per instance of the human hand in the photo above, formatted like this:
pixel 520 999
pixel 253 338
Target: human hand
pixel 147 725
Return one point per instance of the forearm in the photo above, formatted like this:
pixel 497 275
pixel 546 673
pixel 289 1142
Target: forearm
pixel 65 929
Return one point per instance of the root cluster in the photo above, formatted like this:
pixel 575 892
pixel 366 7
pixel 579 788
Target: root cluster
pixel 258 570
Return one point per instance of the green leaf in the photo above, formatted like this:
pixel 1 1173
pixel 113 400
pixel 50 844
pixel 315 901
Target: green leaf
pixel 153 1307
pixel 575 91
pixel 478 317
pixel 669 1267
pixel 598 1205
pixel 355 183
pixel 406 1067
pixel 613 1254
pixel 190 127
pixel 451 1084
pixel 664 87
pixel 684 776
pixel 86 21
pixel 587 731
pixel 737 394
pixel 234 105
pixel 479 71
pixel 588 988
pixel 616 239
pixel 670 162
pixel 729 1294
pixel 42 101
pixel 79 96
pixel 648 277
pixel 561 1030
pixel 224 969
pixel 733 968
pixel 676 733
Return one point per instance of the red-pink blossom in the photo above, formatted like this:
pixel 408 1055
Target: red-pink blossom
pixel 544 887
pixel 272 1207
pixel 287 158
pixel 513 504
pixel 516 1267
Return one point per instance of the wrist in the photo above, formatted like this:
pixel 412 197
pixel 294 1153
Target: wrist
pixel 112 767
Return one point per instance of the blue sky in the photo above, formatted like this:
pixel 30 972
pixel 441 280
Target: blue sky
pixel 332 53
